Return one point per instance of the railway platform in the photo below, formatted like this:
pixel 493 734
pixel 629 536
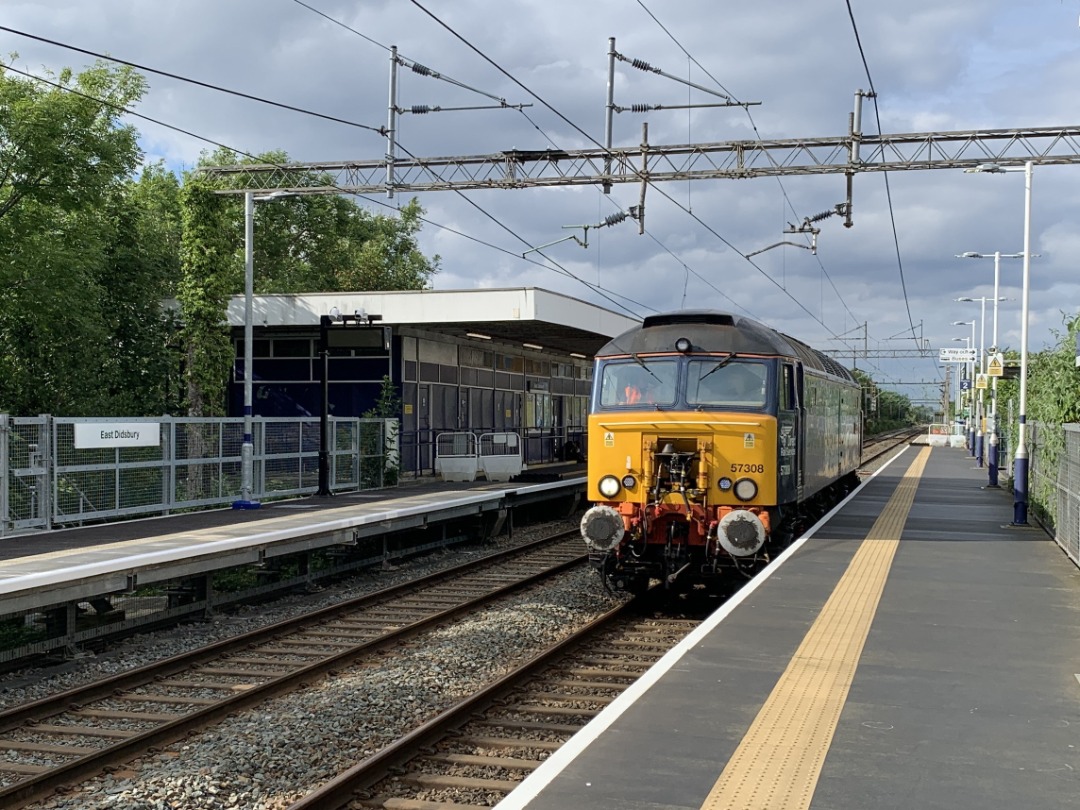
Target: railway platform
pixel 45 569
pixel 914 650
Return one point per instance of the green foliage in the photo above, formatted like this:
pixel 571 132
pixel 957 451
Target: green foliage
pixel 1053 401
pixel 885 410
pixel 81 276
pixel 203 293
pixel 14 634
pixel 94 243
pixel 382 462
pixel 65 150
pixel 234 580
pixel 310 243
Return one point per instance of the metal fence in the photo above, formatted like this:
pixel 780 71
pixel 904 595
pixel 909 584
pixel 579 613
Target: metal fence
pixel 1054 485
pixel 47 482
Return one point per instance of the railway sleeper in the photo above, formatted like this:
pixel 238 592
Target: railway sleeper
pixel 441 781
pixel 420 804
pixel 512 724
pixel 481 761
pixel 506 742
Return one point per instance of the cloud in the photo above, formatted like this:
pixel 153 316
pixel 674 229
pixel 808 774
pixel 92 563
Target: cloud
pixel 964 65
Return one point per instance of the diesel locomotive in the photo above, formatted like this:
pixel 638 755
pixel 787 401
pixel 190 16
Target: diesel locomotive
pixel 712 440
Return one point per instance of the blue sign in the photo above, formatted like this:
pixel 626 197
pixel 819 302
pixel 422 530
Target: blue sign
pixel 965 385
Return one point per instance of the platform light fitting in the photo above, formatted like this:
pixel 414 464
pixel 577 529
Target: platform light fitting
pixel 533 346
pixel 478 335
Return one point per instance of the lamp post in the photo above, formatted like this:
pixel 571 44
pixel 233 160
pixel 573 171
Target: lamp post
pixel 247 449
pixel 975 432
pixel 1020 463
pixel 984 353
pixel 981 372
pixel 997 256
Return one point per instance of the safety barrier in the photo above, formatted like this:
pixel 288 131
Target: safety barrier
pixel 456 457
pixel 500 455
pixel 461 456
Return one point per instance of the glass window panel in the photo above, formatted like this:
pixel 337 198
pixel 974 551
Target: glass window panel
pixel 630 383
pixel 726 383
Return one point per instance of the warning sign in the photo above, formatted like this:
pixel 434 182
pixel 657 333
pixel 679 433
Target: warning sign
pixel 981 380
pixel 995 365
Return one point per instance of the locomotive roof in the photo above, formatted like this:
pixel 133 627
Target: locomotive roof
pixel 715 331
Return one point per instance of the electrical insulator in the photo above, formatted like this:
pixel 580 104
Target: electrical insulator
pixel 423 71
pixel 420 109
pixel 641 64
pixel 640 108
pixel 615 219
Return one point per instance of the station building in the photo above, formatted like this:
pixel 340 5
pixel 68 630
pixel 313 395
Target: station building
pixel 459 360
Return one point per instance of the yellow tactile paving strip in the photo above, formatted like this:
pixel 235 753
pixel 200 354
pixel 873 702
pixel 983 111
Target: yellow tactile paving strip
pixel 778 762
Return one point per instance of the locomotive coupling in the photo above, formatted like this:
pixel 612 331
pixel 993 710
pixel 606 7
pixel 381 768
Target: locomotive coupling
pixel 602 528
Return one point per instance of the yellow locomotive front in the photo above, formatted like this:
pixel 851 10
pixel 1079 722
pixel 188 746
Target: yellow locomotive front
pixel 682 468
pixel 688 457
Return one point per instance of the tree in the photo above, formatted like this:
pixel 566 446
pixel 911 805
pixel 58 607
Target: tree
pixel 309 243
pixel 141 370
pixel 60 146
pixel 64 159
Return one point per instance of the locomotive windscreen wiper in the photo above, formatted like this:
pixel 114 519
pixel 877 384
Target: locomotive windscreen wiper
pixel 641 363
pixel 719 365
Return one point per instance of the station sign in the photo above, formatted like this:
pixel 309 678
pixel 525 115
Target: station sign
pixel 957 355
pixel 90 435
pixel 965 385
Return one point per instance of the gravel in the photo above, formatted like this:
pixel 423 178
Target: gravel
pixel 33 683
pixel 268 757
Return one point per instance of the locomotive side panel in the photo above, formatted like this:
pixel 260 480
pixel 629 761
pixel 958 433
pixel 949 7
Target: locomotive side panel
pixel 832 434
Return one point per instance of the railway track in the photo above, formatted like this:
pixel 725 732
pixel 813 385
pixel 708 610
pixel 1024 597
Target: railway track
pixel 877 446
pixel 70 736
pixel 476 752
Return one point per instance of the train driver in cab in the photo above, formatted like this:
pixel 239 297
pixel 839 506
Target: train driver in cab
pixel 640 392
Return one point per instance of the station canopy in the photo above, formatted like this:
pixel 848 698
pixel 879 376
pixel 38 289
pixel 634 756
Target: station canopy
pixel 521 315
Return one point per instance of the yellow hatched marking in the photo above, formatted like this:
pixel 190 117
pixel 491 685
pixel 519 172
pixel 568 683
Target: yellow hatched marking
pixel 778 762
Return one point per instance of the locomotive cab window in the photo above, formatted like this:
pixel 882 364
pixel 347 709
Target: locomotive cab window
pixel 720 383
pixel 787 388
pixel 632 384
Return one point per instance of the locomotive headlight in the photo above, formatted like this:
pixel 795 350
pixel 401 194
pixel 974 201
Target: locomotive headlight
pixel 724 484
pixel 609 486
pixel 628 481
pixel 683 345
pixel 745 489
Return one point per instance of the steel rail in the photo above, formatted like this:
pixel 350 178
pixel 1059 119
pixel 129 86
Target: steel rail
pixel 36 787
pixel 339 791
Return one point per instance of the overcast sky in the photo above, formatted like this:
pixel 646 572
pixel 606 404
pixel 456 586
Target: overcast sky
pixel 963 65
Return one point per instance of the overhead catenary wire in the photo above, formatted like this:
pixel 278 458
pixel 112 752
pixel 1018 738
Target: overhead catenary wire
pixel 306 112
pixel 888 190
pixel 189 80
pixel 757 133
pixel 593 140
pixel 682 263
pixel 128 111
